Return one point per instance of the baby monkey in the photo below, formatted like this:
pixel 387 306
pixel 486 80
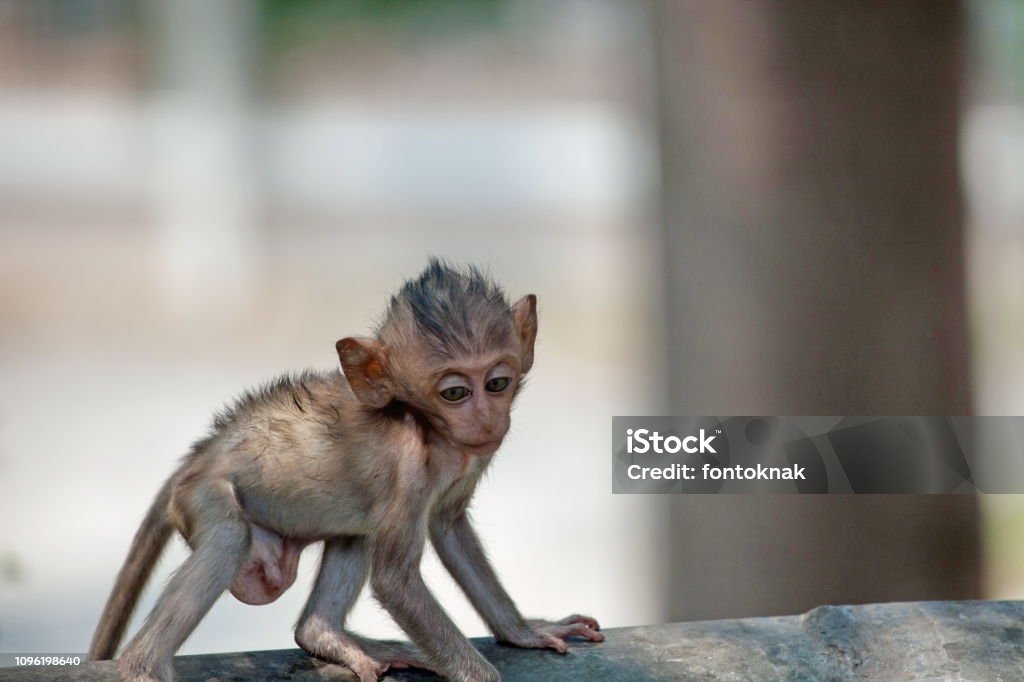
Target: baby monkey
pixel 370 461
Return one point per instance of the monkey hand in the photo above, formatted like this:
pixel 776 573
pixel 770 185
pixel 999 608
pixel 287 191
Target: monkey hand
pixel 546 634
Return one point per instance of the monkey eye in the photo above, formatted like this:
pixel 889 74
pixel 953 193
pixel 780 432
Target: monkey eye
pixel 497 384
pixel 454 394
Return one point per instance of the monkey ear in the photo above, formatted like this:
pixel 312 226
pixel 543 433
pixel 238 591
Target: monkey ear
pixel 524 311
pixel 363 361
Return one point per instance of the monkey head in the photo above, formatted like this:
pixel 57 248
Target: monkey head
pixel 452 348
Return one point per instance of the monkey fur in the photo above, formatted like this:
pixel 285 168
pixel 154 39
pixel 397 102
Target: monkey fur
pixel 371 461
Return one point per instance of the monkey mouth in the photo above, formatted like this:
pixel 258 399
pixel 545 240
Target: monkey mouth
pixel 483 448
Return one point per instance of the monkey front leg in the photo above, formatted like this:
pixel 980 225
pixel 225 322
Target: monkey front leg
pixel 320 631
pixel 460 551
pixel 397 583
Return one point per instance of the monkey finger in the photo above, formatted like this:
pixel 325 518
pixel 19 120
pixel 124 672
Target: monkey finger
pixel 577 618
pixel 592 635
pixel 579 630
pixel 549 641
pixel 367 669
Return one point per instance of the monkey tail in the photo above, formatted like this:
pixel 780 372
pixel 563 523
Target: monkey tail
pixel 146 548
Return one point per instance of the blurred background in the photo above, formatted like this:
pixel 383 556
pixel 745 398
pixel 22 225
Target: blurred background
pixel 724 208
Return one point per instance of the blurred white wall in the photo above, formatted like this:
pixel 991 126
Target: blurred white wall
pixel 167 244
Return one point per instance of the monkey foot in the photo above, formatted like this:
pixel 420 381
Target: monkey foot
pixel 129 670
pixel 398 655
pixel 343 650
pixel 367 658
pixel 368 669
pixel 546 634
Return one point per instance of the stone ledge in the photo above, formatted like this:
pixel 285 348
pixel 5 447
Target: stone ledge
pixel 917 641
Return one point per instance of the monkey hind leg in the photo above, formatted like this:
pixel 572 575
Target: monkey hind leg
pixel 221 545
pixel 367 658
pixel 337 646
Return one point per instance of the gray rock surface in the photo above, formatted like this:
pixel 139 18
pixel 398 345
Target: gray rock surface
pixel 915 641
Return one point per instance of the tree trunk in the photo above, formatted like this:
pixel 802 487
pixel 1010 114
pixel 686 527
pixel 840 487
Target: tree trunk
pixel 814 262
